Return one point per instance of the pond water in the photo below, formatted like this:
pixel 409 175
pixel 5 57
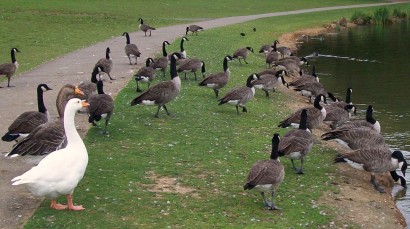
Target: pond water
pixel 375 62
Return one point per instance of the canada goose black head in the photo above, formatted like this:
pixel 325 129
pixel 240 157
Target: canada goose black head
pixel 127 36
pixel 275 146
pixel 250 49
pixel 349 95
pixel 332 97
pixel 319 98
pixel 250 79
pixel 45 86
pixel 303 120
pixel 148 62
pixel 402 162
pixel 141 21
pixel 15 50
pixel 107 53
pixel 96 70
pixel 13 56
pixel 279 74
pixel 369 115
pixel 303 60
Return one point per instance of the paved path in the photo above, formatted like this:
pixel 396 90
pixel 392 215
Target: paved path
pixel 16 204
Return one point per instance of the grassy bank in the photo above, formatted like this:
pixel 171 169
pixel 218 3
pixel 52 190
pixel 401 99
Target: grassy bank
pixel 204 148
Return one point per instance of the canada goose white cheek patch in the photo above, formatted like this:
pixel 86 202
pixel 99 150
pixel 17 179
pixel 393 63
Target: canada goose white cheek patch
pixel 233 102
pixel 148 102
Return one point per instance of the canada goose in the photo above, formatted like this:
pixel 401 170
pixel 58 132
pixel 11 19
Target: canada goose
pixel 297 143
pixel 242 53
pixel 315 114
pixel 355 138
pixel 105 64
pixel 50 136
pixel 375 160
pixel 193 29
pixel 218 80
pixel 348 100
pixel 284 51
pixel 265 49
pixel 145 74
pixel 145 28
pixel 272 56
pixel 162 62
pixel 242 34
pixel 8 69
pixel 60 172
pixel 305 78
pixel 29 120
pixel 311 89
pixel 182 52
pixel 337 115
pixel 239 96
pixel 192 65
pixel 267 175
pixel 101 106
pixel 89 88
pixel 268 82
pixel 370 122
pixel 131 49
pixel 163 92
pixel 295 59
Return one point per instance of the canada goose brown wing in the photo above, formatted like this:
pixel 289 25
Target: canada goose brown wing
pixel 27 122
pixel 296 141
pixel 105 64
pixel 265 48
pixel 100 104
pixel 356 124
pixel 132 49
pixel 7 69
pixel 189 64
pixel 355 138
pixel 374 159
pixel 242 52
pixel 160 93
pixel 265 172
pixel 220 79
pixel 145 27
pixel 146 71
pixel 44 139
pixel 263 79
pixel 272 57
pixel 160 63
pixel 237 93
pixel 314 118
pixel 335 113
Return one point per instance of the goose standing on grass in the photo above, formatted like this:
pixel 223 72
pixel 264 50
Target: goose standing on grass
pixel 101 106
pixel 8 69
pixel 50 136
pixel 192 65
pixel 272 56
pixel 316 115
pixel 242 53
pixel 376 160
pixel 145 28
pixel 105 64
pixel 131 49
pixel 370 122
pixel 145 74
pixel 268 82
pixel 163 92
pixel 193 29
pixel 337 115
pixel 265 49
pixel 356 138
pixel 239 96
pixel 267 175
pixel 161 63
pixel 60 172
pixel 218 80
pixel 296 144
pixel 90 88
pixel 29 120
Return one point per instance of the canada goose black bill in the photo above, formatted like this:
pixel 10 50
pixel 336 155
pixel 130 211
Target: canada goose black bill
pixel 8 69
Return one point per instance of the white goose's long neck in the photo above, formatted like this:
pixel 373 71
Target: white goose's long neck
pixel 69 126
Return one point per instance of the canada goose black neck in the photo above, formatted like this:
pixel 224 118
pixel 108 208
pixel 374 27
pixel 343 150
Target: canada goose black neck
pixel 250 79
pixel 279 73
pixel 317 101
pixel 203 70
pixel 274 45
pixel 107 53
pixel 148 62
pixel 96 70
pixel 400 158
pixel 127 36
pixel 173 65
pixel 100 87
pixel 40 102
pixel 348 95
pixel 275 146
pixel 182 43
pixel 303 120
pixel 186 31
pixel 141 21
pixel 249 48
pixel 164 51
pixel 369 115
pixel 225 63
pixel 13 55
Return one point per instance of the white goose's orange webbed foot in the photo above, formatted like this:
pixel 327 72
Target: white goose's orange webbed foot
pixel 57 206
pixel 71 206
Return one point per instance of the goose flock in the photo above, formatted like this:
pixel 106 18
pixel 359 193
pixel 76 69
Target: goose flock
pixel 35 134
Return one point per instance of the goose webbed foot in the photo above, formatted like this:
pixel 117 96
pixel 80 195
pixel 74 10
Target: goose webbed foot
pixel 299 171
pixel 57 206
pixel 274 207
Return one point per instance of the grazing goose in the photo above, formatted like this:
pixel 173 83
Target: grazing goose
pixel 296 144
pixel 239 96
pixel 8 69
pixel 315 114
pixel 29 120
pixel 163 92
pixel 272 56
pixel 337 115
pixel 348 99
pixel 376 160
pixel 267 175
pixel 305 78
pixel 311 89
pixel 60 172
pixel 369 122
pixel 268 82
pixel 193 29
pixel 131 49
pixel 50 136
pixel 90 88
pixel 192 65
pixel 105 64
pixel 101 106
pixel 265 49
pixel 218 80
pixel 145 74
pixel 356 138
pixel 161 63
pixel 145 28
pixel 242 53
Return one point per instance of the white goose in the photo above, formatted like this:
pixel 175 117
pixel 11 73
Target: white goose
pixel 59 172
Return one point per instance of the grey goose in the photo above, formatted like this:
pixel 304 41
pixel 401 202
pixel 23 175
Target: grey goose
pixel 145 28
pixel 272 56
pixel 376 160
pixel 370 122
pixel 8 69
pixel 145 74
pixel 239 96
pixel 101 106
pixel 192 65
pixel 163 92
pixel 131 49
pixel 161 64
pixel 216 81
pixel 267 175
pixel 265 49
pixel 297 143
pixel 50 136
pixel 193 29
pixel 355 138
pixel 90 87
pixel 105 64
pixel 337 116
pixel 316 115
pixel 29 120
pixel 268 82
pixel 242 53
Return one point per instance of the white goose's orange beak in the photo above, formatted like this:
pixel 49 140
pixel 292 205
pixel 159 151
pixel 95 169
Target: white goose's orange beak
pixel 85 104
pixel 78 91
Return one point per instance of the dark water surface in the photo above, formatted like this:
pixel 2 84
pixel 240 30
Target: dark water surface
pixel 375 62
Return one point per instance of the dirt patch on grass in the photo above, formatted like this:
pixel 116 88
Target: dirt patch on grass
pixel 164 184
